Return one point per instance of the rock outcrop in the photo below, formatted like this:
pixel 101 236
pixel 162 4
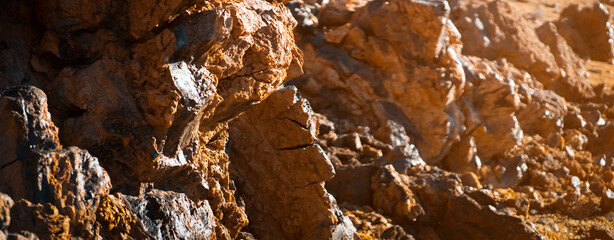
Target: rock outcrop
pixel 47 179
pixel 480 87
pixel 495 31
pixel 369 73
pixel 572 84
pixel 280 174
pixel 253 119
pixel 588 30
pixel 128 138
pixel 423 200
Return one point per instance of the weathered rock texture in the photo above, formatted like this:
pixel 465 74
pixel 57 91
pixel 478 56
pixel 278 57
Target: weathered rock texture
pixel 63 185
pixel 421 199
pixel 589 31
pixel 114 113
pixel 431 120
pixel 281 174
pixel 479 92
pixel 495 31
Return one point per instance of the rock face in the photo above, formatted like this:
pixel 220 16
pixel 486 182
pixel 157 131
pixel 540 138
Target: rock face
pixel 496 32
pixel 433 91
pixel 182 119
pixel 42 174
pixel 281 174
pixel 353 73
pixel 469 86
pixel 572 84
pixel 172 215
pixel 161 81
pixel 588 30
pixel 416 196
pixel 128 138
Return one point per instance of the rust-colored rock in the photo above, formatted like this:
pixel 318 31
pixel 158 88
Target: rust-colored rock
pixel 6 203
pixel 394 197
pixel 572 83
pixel 496 96
pixel 283 200
pixel 433 119
pixel 38 171
pixel 494 31
pixel 588 30
pixel 370 96
pixel 173 92
pixel 139 90
pixel 543 114
pixel 42 219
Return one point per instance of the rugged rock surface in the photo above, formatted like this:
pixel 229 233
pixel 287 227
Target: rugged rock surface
pixel 482 88
pixel 588 30
pixel 498 32
pixel 419 120
pixel 369 74
pixel 422 199
pixel 140 93
pixel 572 84
pixel 281 174
pixel 495 31
pixel 41 174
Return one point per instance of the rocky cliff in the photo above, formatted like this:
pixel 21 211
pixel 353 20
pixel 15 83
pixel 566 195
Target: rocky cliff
pixel 308 119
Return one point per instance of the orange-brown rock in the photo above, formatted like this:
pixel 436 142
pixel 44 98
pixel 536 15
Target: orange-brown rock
pixel 42 219
pixel 490 103
pixel 373 72
pixel 143 91
pixel 392 195
pixel 543 114
pixel 506 105
pixel 38 170
pixel 433 119
pixel 372 225
pixel 170 82
pixel 494 31
pixel 572 84
pixel 588 30
pixel 6 203
pixel 417 197
pixel 444 100
pixel 116 220
pixel 271 146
